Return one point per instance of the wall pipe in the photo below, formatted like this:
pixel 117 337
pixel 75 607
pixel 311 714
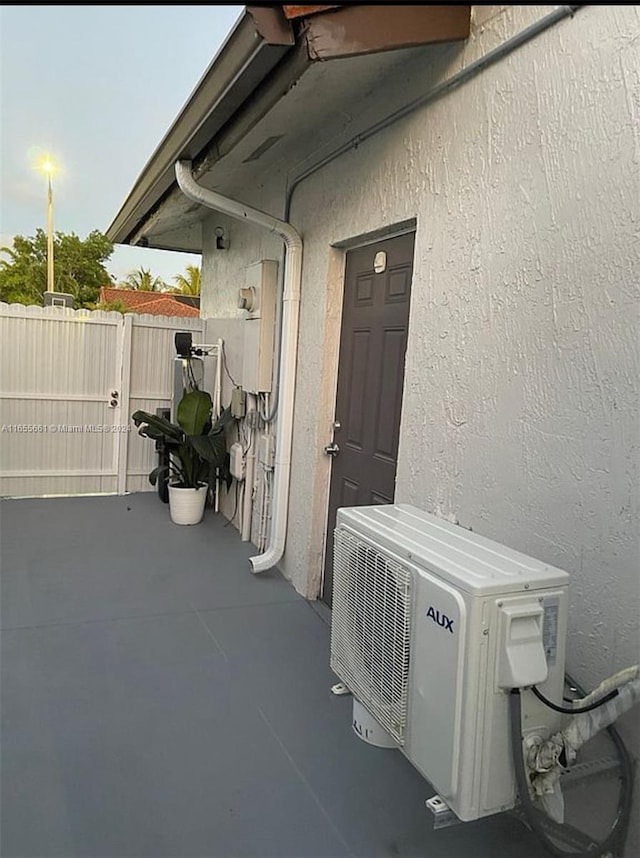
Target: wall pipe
pixel 288 348
pixel 217 410
pixel 249 478
pixel 440 89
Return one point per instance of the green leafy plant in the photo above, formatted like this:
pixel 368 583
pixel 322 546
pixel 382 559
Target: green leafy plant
pixel 197 446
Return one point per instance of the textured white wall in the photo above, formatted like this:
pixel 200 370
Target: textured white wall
pixel 520 414
pixel 223 271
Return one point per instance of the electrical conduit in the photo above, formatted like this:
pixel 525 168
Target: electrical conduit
pixel 288 348
pixel 440 89
pixel 249 477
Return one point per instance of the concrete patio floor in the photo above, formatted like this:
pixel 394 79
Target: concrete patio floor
pixel 160 700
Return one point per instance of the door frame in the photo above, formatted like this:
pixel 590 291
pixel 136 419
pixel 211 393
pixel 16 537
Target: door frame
pixel 335 298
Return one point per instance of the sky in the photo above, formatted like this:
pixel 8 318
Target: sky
pixel 96 88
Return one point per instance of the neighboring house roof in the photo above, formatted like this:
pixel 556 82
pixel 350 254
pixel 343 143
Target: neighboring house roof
pixel 189 300
pixel 154 303
pixel 168 306
pixel 273 97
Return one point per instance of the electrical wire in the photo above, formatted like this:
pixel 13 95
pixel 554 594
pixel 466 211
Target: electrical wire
pixel 245 450
pixel 568 710
pixel 538 820
pixel 226 368
pixel 242 434
pixel 188 376
pixel 268 418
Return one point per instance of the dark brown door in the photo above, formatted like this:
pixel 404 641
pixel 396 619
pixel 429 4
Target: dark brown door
pixel 373 342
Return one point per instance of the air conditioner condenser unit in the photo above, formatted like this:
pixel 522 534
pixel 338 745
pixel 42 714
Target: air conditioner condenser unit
pixel 432 625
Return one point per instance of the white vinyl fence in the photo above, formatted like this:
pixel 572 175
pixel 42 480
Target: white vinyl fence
pixel 69 382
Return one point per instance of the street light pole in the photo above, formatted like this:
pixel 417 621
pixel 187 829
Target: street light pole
pixel 50 283
pixel 47 166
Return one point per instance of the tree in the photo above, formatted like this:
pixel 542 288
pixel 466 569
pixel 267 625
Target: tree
pixel 188 283
pixel 113 307
pixel 143 281
pixel 78 267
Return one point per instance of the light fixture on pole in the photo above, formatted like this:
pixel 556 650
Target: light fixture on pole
pixel 51 296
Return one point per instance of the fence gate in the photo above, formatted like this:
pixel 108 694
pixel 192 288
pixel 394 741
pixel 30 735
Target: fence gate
pixel 69 382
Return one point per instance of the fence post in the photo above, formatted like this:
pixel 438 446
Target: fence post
pixel 123 375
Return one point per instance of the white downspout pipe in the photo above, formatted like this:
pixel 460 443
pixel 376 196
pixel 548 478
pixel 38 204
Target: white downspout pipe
pixel 288 349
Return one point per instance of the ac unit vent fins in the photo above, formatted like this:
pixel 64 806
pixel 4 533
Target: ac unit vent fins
pixel 371 629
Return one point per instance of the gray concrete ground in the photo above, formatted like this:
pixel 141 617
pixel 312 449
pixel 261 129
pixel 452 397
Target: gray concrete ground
pixel 160 700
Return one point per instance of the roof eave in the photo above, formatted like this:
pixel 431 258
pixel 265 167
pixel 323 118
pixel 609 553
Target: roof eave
pixel 247 56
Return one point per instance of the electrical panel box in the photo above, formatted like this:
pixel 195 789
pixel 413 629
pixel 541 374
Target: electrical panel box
pixel 258 299
pixel 236 461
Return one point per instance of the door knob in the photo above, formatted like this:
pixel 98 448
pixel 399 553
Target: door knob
pixel 332 449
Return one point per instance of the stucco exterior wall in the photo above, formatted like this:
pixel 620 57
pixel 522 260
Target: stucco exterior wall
pixel 223 271
pixel 520 413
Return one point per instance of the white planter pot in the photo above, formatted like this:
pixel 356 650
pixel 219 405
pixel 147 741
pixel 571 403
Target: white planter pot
pixel 187 505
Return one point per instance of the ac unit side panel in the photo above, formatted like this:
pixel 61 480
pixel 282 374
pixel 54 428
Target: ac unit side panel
pixel 437 679
pixel 498 788
pixel 468 799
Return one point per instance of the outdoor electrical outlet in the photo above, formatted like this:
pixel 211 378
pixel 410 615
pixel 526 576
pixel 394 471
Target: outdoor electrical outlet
pixel 236 461
pixel 238 402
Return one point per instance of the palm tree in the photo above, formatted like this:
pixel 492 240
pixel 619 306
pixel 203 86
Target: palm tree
pixel 188 283
pixel 142 280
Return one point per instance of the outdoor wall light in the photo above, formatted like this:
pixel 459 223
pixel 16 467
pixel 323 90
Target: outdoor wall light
pixel 222 242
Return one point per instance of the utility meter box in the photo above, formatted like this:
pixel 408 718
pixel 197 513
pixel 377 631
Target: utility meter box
pixel 258 299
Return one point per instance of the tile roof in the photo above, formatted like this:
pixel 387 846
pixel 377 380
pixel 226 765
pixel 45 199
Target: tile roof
pixel 154 303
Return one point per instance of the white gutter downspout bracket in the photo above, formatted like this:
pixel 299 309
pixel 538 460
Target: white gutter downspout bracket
pixel 288 348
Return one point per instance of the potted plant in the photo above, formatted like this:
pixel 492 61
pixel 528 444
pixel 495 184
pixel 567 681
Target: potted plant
pixel 197 453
